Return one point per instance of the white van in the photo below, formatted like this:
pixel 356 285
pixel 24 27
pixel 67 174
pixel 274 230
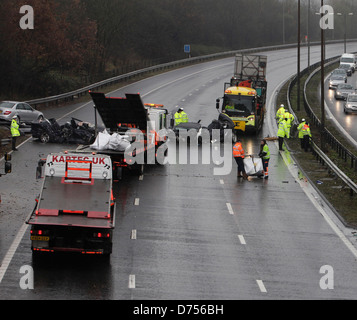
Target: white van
pixel 350 59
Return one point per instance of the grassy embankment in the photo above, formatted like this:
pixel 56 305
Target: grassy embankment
pixel 331 187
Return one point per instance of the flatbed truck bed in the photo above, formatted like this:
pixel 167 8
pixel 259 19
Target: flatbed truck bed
pixel 75 211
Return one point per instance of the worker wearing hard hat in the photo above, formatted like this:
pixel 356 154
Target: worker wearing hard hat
pixel 301 134
pixel 289 120
pixel 306 136
pixel 180 116
pixel 15 132
pixel 283 132
pixel 238 154
pixel 280 113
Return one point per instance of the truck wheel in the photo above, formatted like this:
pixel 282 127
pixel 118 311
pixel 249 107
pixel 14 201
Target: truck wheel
pixel 234 137
pixel 44 138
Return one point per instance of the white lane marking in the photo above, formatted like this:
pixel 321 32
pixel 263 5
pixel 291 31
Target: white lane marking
pixel 261 286
pixel 10 253
pixel 141 177
pixel 294 173
pixel 136 202
pixel 230 209
pixel 131 281
pixel 241 239
pixel 184 77
pixel 133 234
pixel 221 181
pixel 337 124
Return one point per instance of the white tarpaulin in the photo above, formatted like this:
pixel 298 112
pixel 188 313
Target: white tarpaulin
pixel 118 142
pixel 106 141
pixel 253 166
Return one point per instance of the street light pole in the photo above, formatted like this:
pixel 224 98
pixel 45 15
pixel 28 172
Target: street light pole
pixel 322 84
pixel 345 32
pixel 298 60
pixel 308 34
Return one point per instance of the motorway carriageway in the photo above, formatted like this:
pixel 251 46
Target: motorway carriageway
pixel 346 123
pixel 183 232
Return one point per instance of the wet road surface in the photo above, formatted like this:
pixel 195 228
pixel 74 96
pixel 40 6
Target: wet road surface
pixel 183 232
pixel 347 123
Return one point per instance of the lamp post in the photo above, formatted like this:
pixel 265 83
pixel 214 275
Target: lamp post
pixel 298 60
pixel 345 32
pixel 308 34
pixel 322 84
pixel 283 21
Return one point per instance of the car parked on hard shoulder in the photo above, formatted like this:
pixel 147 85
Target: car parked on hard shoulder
pixel 351 103
pixel 346 67
pixel 24 112
pixel 343 90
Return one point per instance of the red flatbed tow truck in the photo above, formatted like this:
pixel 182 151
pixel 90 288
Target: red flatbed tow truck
pixel 75 210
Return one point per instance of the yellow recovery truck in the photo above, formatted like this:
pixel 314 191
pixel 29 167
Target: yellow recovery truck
pixel 245 95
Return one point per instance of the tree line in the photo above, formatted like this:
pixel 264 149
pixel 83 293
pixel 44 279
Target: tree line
pixel 75 42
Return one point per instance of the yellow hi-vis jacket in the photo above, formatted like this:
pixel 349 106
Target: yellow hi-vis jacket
pixel 280 113
pixel 283 130
pixel 290 118
pixel 301 125
pixel 181 117
pixel 15 128
pixel 306 130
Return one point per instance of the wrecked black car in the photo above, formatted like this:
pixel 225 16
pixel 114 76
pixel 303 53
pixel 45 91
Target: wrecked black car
pixel 75 131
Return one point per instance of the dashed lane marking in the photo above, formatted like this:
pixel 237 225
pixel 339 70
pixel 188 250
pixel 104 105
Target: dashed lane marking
pixel 261 286
pixel 241 239
pixel 131 281
pixel 230 209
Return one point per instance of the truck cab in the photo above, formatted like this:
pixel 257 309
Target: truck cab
pixel 245 95
pixel 240 103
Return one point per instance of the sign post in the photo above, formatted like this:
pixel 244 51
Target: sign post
pixel 187 49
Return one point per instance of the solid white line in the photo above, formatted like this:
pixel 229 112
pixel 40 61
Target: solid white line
pixel 10 253
pixel 337 124
pixel 184 77
pixel 131 281
pixel 261 286
pixel 333 226
pixel 317 205
pixel 230 209
pixel 133 234
pixel 241 239
pixel 294 173
pixel 136 202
